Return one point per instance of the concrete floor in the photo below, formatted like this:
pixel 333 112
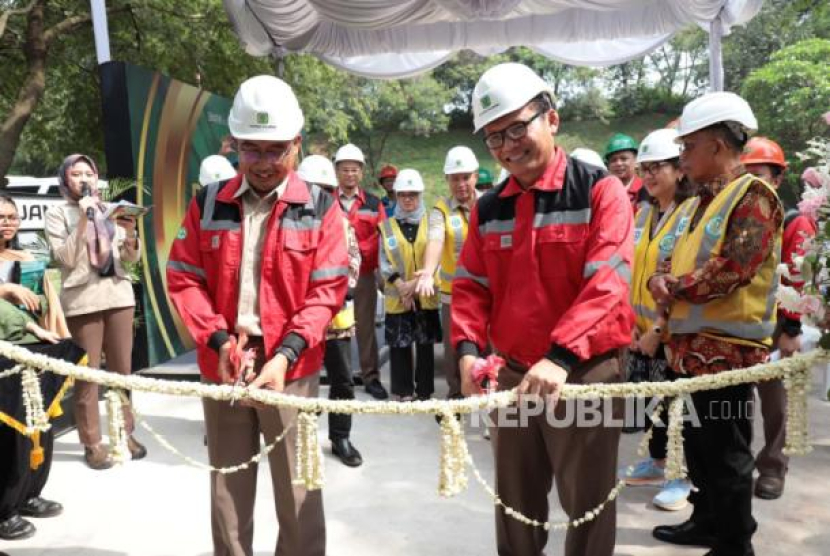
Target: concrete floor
pixel 159 506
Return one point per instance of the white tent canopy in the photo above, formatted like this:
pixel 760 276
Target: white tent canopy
pixel 400 38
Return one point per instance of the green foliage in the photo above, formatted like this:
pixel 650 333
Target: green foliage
pixel 591 104
pixel 791 93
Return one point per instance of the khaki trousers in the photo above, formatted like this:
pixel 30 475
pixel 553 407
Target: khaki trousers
pixel 233 435
pixel 582 461
pixel 451 370
pixel 770 460
pixel 365 307
pixel 109 332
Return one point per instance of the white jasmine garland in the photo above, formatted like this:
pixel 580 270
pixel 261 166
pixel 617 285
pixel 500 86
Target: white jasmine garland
pixel 794 370
pixel 117 432
pixel 36 418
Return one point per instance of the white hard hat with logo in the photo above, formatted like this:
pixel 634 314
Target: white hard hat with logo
pixel 713 108
pixel 317 169
pixel 349 152
pixel 588 156
pixel 659 145
pixel 215 168
pixel 408 180
pixel 503 89
pixel 460 160
pixel 265 109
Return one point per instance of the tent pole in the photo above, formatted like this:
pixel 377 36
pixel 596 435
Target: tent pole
pixel 99 26
pixel 716 55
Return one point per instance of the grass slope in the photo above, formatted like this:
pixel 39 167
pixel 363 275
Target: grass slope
pixel 426 154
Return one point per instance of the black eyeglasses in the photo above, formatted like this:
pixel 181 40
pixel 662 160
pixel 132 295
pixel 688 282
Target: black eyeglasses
pixel 514 131
pixel 651 169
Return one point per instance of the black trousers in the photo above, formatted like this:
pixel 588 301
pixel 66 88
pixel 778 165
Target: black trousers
pixel 338 362
pixel 400 360
pixel 658 445
pixel 18 481
pixel 720 465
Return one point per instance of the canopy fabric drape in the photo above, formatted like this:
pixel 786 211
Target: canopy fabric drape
pixel 401 38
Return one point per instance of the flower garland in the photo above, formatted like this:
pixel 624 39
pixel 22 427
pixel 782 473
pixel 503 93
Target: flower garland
pixel 452 478
pixel 309 471
pixel 454 454
pixel 254 460
pixel 36 418
pixel 11 372
pixel 117 428
pixel 675 459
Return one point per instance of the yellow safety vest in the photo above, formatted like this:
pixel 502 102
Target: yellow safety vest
pixel 344 319
pixel 455 232
pixel 406 258
pixel 649 252
pixel 745 316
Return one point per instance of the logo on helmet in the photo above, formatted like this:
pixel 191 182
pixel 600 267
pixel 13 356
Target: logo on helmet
pixel 262 118
pixel 486 102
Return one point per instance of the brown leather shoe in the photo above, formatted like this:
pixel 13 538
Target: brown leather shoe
pixel 137 450
pixel 768 487
pixel 97 457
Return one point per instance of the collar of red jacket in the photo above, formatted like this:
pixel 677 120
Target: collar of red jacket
pixel 551 180
pixel 361 195
pixel 296 191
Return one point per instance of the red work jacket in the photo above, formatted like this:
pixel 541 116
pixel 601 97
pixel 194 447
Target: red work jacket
pixel 304 272
pixel 546 272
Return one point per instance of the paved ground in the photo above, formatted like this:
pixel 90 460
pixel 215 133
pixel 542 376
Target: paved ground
pixel 159 506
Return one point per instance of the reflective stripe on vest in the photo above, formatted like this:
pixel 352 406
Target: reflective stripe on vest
pixel 650 252
pixel 745 316
pixel 455 232
pixel 407 258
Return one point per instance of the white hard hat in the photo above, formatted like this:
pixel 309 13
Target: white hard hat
pixel 215 168
pixel 588 156
pixel 713 108
pixel 349 152
pixel 503 89
pixel 317 169
pixel 503 175
pixel 659 145
pixel 408 180
pixel 265 109
pixel 460 160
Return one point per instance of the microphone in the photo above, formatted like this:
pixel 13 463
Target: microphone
pixel 86 191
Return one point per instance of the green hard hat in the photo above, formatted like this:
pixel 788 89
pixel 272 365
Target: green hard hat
pixel 485 177
pixel 620 142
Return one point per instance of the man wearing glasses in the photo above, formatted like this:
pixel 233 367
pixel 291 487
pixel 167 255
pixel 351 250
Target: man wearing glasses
pixel 544 275
pixel 260 264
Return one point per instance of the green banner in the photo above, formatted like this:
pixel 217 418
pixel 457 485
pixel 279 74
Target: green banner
pixel 170 128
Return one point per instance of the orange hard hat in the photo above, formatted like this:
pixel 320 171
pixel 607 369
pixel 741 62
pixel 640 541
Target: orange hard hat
pixel 760 150
pixel 388 171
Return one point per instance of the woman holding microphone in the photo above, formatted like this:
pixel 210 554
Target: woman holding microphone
pixel 97 295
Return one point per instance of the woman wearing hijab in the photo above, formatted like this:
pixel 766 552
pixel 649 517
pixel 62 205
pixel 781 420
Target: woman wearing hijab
pixel 97 295
pixel 30 315
pixel 410 318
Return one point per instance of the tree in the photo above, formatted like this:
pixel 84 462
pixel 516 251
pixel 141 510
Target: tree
pixel 414 106
pixel 789 96
pixel 791 93
pixel 28 44
pixel 780 23
pixel 190 40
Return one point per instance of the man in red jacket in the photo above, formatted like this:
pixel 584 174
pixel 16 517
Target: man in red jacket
pixel 544 276
pixel 260 262
pixel 365 212
pixel 765 159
